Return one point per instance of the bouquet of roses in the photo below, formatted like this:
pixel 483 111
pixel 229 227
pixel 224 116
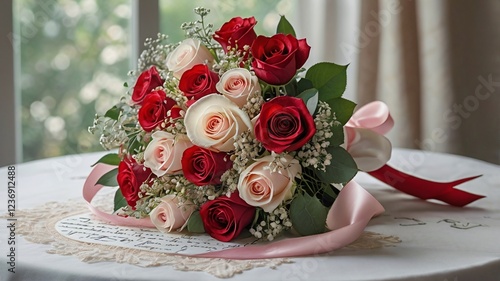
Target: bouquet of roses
pixel 226 131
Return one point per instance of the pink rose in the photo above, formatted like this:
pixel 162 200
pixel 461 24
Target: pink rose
pixel 214 122
pixel 259 186
pixel 188 54
pixel 170 214
pixel 163 154
pixel 236 84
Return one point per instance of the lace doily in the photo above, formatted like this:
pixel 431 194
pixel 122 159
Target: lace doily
pixel 38 226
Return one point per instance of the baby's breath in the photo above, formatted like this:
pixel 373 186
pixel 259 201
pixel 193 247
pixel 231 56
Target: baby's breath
pixel 279 162
pixel 314 153
pixel 271 224
pixel 233 58
pixel 247 148
pixel 155 53
pixel 254 104
pixel 114 132
pixel 230 180
pixel 200 30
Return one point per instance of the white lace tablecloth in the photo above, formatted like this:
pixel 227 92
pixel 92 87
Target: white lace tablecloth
pixel 413 239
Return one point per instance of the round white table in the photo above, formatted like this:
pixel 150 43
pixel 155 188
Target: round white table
pixel 437 242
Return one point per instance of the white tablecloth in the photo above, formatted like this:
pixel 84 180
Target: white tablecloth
pixel 438 242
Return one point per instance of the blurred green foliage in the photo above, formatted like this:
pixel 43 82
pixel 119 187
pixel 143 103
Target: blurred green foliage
pixel 74 60
pixel 266 12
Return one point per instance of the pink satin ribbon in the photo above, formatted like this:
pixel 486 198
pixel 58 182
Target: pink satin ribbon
pixel 369 150
pixel 91 188
pixel 374 116
pixel 364 136
pixel 347 218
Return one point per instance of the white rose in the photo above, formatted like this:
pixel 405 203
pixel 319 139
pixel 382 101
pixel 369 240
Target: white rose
pixel 236 84
pixel 261 187
pixel 188 54
pixel 214 121
pixel 163 154
pixel 170 215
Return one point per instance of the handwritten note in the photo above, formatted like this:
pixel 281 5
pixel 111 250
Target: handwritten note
pixel 85 228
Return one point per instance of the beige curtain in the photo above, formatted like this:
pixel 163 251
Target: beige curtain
pixel 436 63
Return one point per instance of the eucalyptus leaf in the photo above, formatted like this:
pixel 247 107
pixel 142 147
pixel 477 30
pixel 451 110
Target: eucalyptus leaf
pixel 329 78
pixel 328 196
pixel 343 109
pixel 308 215
pixel 133 145
pixel 195 223
pixel 342 168
pixel 285 27
pixel 338 135
pixel 109 178
pixel 110 159
pixel 304 84
pixel 119 200
pixel 310 98
pixel 291 88
pixel 113 113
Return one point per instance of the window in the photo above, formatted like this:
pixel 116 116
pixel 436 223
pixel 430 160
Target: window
pixel 72 59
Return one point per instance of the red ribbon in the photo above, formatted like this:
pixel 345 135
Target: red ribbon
pixel 426 189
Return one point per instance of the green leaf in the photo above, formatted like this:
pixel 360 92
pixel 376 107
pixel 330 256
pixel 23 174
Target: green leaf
pixel 343 109
pixel 342 168
pixel 310 98
pixel 329 195
pixel 285 27
pixel 291 88
pixel 304 84
pixel 110 159
pixel 113 113
pixel 195 223
pixel 330 79
pixel 133 145
pixel 308 215
pixel 338 135
pixel 119 200
pixel 109 178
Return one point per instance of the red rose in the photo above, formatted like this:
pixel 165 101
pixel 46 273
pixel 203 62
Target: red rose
pixel 225 217
pixel 284 124
pixel 147 82
pixel 203 167
pixel 156 107
pixel 277 58
pixel 131 176
pixel 236 33
pixel 198 82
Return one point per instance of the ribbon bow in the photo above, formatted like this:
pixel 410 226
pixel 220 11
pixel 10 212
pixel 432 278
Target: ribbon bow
pixel 364 140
